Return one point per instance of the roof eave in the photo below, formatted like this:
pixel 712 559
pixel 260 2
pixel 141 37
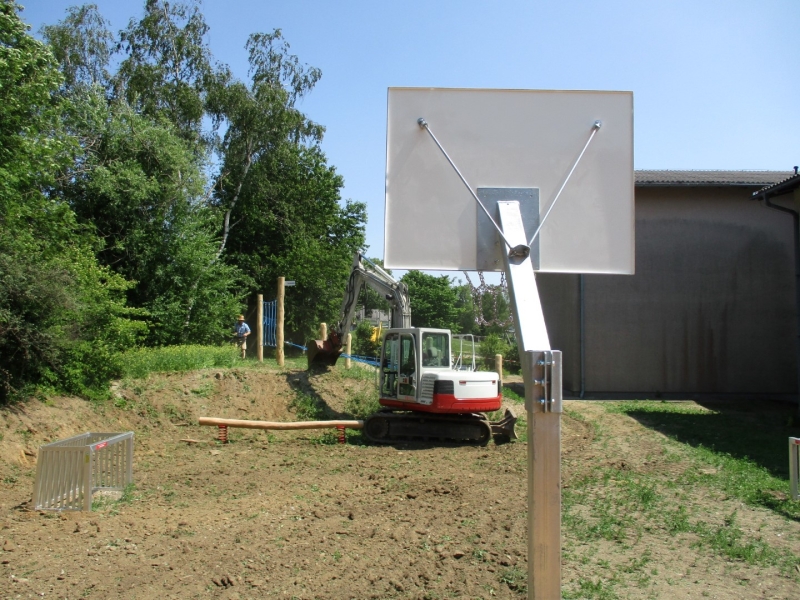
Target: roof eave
pixel 779 189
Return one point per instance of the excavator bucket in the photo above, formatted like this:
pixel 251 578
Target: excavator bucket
pixel 503 431
pixel 322 353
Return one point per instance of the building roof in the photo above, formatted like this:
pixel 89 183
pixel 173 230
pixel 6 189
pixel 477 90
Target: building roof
pixel 785 186
pixel 757 179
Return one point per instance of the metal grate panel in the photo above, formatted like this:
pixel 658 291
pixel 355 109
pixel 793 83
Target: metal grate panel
pixel 426 388
pixel 68 472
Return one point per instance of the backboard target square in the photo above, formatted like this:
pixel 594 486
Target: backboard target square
pixel 515 139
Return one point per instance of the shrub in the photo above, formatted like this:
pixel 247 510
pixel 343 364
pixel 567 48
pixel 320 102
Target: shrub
pixel 492 344
pixel 363 344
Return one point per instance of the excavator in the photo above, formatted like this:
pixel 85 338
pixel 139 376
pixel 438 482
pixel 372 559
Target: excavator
pixel 423 396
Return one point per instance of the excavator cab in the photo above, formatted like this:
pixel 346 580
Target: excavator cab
pixel 424 397
pixel 399 366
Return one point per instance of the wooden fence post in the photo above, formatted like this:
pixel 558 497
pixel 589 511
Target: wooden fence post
pixel 347 362
pixel 498 366
pixel 323 331
pixel 260 328
pixel 279 323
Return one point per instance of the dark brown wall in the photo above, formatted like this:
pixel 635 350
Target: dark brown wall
pixel 710 309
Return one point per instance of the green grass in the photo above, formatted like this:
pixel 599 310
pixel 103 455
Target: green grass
pixel 738 453
pixel 358 372
pixel 113 504
pixel 307 407
pixel 362 404
pixel 729 540
pixel 513 396
pixel 722 453
pixel 139 363
pixel 515 578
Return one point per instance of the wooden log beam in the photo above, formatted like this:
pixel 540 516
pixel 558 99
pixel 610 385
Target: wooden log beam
pixel 214 422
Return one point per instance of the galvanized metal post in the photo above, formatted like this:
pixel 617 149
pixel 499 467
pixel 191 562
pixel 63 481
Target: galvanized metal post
pixel 541 371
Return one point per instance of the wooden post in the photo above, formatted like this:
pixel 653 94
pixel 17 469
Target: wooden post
pixel 323 331
pixel 260 328
pixel 347 362
pixel 279 323
pixel 498 366
pixel 279 425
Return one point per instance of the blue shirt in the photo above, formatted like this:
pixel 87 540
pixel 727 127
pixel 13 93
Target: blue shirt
pixel 241 329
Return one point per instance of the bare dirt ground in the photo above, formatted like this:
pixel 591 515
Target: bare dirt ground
pixel 291 515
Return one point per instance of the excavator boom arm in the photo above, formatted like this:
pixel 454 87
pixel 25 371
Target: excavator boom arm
pixel 381 282
pixel 328 351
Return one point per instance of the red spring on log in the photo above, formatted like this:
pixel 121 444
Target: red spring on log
pixel 223 434
pixel 340 428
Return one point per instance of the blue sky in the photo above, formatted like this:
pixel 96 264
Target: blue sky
pixel 715 82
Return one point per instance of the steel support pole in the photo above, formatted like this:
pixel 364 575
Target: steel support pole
pixel 541 371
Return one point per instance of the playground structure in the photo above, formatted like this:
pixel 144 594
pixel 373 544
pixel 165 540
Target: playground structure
pixel 223 425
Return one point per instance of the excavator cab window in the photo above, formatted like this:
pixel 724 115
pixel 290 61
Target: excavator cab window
pixel 435 350
pixel 389 365
pixel 408 367
pixel 399 366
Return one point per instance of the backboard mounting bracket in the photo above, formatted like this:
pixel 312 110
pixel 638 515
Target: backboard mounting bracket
pixel 490 247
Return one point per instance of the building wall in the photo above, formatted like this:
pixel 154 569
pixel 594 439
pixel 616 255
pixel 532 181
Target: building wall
pixel 710 309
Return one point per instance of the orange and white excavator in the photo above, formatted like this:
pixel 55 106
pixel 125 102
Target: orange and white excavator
pixel 422 395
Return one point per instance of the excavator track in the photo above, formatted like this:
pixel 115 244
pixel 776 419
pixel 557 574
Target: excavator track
pixel 388 427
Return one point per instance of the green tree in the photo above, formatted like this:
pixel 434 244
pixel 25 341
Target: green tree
pixel 63 318
pixel 167 67
pixel 433 300
pixel 293 224
pixel 370 299
pixel 363 342
pixel 141 188
pixel 483 311
pixel 465 306
pixel 141 182
pixel 272 198
pixel 83 46
pixel 281 209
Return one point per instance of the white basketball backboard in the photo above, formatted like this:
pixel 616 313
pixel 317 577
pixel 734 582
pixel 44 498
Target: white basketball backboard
pixel 523 140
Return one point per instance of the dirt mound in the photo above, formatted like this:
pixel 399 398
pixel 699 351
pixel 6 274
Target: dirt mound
pixel 295 515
